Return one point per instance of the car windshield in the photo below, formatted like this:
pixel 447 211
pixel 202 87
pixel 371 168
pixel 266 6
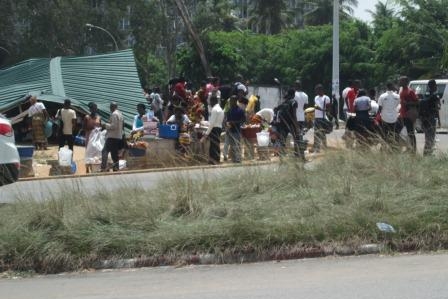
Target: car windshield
pixel 421 89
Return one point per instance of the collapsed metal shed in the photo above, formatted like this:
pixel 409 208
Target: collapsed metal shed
pixel 99 78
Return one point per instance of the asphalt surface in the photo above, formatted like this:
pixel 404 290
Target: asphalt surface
pixel 44 189
pixel 48 188
pixel 365 277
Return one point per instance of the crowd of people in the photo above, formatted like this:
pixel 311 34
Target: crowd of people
pixel 229 108
pixel 372 120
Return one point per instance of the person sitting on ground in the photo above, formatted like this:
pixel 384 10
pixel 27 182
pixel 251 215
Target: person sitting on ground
pixel 183 123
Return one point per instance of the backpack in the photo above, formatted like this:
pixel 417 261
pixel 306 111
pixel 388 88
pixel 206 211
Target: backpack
pixel 283 113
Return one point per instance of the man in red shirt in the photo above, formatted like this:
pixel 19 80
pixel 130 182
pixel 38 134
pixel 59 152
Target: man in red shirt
pixel 352 95
pixel 408 110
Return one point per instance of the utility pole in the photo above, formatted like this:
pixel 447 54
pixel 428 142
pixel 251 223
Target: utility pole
pixel 335 79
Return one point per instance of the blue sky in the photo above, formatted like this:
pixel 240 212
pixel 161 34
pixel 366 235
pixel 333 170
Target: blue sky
pixel 363 5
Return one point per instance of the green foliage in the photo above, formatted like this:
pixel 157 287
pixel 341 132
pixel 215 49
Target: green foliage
pixel 338 202
pixel 214 15
pixel 323 13
pixel 304 54
pixel 408 39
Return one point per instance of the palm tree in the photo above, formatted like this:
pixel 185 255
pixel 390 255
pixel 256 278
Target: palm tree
pixel 383 17
pixel 323 13
pixel 268 16
pixel 197 42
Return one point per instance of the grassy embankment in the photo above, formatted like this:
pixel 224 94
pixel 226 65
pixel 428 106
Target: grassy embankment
pixel 338 202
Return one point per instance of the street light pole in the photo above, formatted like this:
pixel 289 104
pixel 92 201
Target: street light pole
pixel 101 28
pixel 335 79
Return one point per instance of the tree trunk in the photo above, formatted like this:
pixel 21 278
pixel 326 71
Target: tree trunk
pixel 193 34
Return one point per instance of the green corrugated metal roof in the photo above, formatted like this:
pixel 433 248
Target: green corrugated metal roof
pixel 32 75
pixel 100 79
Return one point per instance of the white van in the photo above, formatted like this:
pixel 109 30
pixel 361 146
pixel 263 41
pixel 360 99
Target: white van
pixel 420 86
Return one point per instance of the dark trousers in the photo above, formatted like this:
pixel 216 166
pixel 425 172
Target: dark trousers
pixel 66 138
pixel 429 128
pixel 296 133
pixel 391 133
pixel 235 145
pixel 111 146
pixel 332 117
pixel 319 134
pixel 409 124
pixel 159 115
pixel 215 150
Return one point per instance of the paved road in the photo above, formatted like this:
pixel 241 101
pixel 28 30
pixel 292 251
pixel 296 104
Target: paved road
pixel 375 277
pixel 42 189
pixel 45 189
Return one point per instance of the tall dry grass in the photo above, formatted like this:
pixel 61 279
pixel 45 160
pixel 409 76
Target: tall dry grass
pixel 338 200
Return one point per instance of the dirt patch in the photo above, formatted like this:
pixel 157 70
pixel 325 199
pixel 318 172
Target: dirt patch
pixel 42 160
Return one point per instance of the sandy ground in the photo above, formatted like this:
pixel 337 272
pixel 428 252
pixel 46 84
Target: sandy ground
pixel 42 159
pixel 42 167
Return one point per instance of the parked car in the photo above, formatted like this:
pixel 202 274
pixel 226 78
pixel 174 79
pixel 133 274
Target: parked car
pixel 9 156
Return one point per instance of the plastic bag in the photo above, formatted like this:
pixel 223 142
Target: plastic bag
pixel 95 146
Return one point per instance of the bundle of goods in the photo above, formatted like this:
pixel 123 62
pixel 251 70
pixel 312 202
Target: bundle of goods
pixel 184 138
pixel 309 117
pixel 138 148
pixel 151 128
pixel 201 128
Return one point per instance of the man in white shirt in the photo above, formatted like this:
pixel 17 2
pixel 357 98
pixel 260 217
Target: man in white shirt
pixel 157 103
pixel 301 99
pixel 388 108
pixel 68 118
pixel 214 131
pixel 321 103
pixel 114 138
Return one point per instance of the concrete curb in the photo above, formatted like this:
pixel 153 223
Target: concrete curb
pixel 152 170
pixel 239 258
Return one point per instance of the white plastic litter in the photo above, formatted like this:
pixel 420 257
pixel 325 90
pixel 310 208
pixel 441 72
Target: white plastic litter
pixel 384 227
pixel 65 156
pixel 95 146
pixel 263 138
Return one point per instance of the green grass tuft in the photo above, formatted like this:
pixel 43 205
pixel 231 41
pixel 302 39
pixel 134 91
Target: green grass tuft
pixel 339 201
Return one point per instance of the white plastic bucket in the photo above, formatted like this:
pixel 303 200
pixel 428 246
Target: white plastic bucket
pixel 65 157
pixel 263 138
